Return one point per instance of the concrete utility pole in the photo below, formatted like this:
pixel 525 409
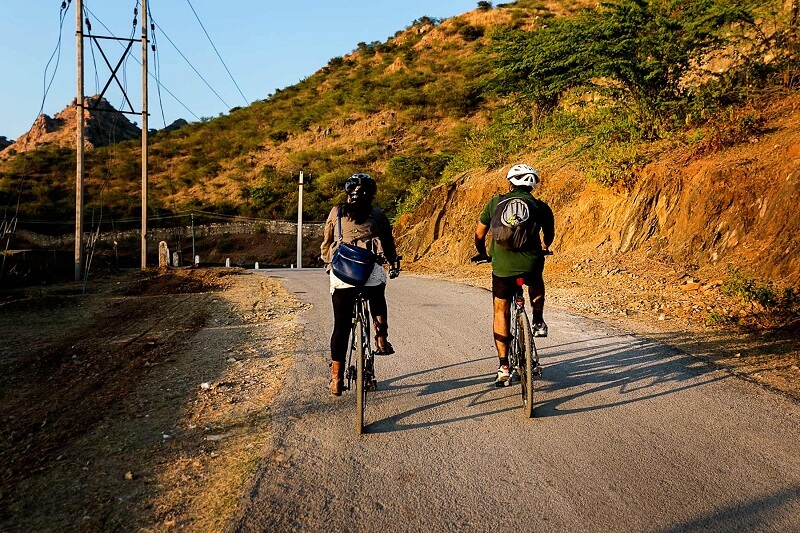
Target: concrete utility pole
pixel 94 106
pixel 144 134
pixel 79 148
pixel 300 223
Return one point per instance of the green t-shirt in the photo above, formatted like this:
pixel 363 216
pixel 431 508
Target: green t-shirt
pixel 504 262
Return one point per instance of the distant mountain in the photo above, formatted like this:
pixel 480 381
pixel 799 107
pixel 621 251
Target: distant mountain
pixel 4 142
pixel 104 127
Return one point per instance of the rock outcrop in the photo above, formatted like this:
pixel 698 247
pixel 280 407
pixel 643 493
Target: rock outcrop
pixel 104 126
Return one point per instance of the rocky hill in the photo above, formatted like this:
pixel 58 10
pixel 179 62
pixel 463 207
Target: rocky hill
pixel 104 127
pixel 699 211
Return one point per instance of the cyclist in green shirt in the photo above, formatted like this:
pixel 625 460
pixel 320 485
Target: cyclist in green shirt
pixel 509 265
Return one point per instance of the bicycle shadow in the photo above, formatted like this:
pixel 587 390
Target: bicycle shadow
pixel 639 370
pixel 480 398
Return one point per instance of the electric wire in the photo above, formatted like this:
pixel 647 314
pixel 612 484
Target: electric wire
pixel 156 64
pixel 174 215
pixel 9 227
pixel 57 53
pixel 160 84
pixel 217 52
pixel 192 66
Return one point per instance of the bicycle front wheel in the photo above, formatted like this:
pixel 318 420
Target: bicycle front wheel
pixel 526 361
pixel 360 389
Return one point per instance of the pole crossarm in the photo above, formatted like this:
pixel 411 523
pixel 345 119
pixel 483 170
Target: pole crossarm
pixel 114 72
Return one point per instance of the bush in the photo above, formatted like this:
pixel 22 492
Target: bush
pixel 633 50
pixel 749 290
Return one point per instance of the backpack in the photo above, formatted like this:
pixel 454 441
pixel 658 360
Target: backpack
pixel 515 225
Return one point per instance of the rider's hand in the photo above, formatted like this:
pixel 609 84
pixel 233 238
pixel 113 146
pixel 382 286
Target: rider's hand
pixel 394 272
pixel 480 258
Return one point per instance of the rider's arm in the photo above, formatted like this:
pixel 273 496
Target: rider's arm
pixel 481 230
pixel 328 238
pixel 548 226
pixel 387 239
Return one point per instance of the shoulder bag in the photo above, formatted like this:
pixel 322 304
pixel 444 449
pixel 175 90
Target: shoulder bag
pixel 350 263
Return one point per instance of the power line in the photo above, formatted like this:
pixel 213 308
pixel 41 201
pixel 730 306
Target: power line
pixel 46 86
pixel 192 66
pixel 151 75
pixel 157 66
pixel 215 50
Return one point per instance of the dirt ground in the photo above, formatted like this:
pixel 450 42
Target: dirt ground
pixel 142 405
pixel 145 403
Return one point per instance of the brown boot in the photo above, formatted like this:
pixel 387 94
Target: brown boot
pixel 337 378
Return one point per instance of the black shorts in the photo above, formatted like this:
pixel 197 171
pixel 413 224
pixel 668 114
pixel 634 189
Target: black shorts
pixel 504 288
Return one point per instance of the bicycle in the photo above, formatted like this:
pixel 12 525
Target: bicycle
pixel 362 370
pixel 523 357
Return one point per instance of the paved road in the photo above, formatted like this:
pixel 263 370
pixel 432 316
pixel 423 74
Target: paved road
pixel 629 435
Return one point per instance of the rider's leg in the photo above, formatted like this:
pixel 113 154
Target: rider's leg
pixel 535 283
pixel 503 289
pixel 501 328
pixel 380 317
pixel 343 301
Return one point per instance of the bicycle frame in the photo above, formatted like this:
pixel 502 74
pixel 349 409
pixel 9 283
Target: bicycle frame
pixel 361 359
pixel 523 358
pixel 517 308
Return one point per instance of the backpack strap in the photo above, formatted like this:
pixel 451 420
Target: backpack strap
pixel 339 222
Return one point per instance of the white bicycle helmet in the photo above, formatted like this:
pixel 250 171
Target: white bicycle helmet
pixel 523 175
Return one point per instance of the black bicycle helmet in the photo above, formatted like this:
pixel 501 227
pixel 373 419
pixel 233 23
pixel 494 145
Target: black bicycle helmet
pixel 360 185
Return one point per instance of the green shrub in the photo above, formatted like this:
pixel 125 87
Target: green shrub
pixel 749 289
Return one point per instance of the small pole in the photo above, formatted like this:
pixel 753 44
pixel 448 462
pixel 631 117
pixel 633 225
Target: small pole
pixel 300 223
pixel 193 255
pixel 144 134
pixel 79 148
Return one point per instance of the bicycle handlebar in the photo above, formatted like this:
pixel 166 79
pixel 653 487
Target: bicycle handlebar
pixel 394 269
pixel 488 259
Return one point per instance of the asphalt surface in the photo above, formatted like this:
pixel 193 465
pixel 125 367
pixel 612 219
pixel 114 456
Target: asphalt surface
pixel 628 435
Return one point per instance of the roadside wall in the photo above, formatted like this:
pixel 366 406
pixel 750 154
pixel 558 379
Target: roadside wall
pixel 311 230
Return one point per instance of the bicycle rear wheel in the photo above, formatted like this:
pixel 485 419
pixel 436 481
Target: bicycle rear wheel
pixel 526 361
pixel 360 389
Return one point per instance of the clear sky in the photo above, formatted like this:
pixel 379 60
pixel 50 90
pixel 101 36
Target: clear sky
pixel 265 44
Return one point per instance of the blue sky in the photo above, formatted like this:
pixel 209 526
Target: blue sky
pixel 266 45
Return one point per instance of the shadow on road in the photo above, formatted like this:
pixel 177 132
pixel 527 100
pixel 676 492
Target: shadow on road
pixel 635 370
pixel 578 377
pixel 755 515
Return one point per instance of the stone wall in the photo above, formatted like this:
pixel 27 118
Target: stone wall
pixel 311 230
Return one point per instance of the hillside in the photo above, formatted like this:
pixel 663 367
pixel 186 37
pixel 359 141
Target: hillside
pixel 400 109
pixel 733 206
pixel 446 106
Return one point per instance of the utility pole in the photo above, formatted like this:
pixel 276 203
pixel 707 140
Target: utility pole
pixel 300 223
pixel 79 148
pixel 93 105
pixel 144 134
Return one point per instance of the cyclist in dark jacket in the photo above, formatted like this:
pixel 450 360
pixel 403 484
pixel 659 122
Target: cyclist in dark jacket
pixel 367 226
pixel 508 266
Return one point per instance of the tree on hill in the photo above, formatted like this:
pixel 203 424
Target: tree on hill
pixel 635 51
